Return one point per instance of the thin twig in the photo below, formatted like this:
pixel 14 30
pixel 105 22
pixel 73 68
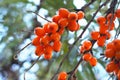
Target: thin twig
pixel 31 66
pixel 85 6
pixel 40 16
pixel 18 52
pixel 75 69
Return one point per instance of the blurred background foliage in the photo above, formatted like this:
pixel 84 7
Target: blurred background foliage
pixel 17 30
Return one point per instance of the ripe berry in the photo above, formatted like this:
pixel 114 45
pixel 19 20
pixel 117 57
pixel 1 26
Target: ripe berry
pixel 111 25
pixel 87 56
pixel 55 37
pixel 111 17
pixel 56 18
pixel 48 49
pixel 95 35
pixel 73 26
pixel 116 42
pixel 93 61
pixel 39 50
pixel 72 16
pixel 101 41
pixel 80 14
pixel 63 22
pixel 87 45
pixel 46 27
pixel 39 31
pixel 61 31
pixel 36 41
pixel 117 55
pixel 108 35
pixel 109 53
pixel 111 66
pixel 101 20
pixel 62 76
pixel 48 56
pixel 63 12
pixel 45 40
pixel 118 75
pixel 57 46
pixel 116 70
pixel 53 27
pixel 117 13
pixel 103 28
pixel 110 46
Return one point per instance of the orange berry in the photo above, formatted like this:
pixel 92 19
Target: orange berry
pixel 93 61
pixel 46 27
pixel 111 17
pixel 55 37
pixel 39 50
pixel 56 18
pixel 101 41
pixel 95 35
pixel 57 46
pixel 53 27
pixel 111 66
pixel 80 14
pixel 72 16
pixel 87 56
pixel 101 20
pixel 87 45
pixel 48 49
pixel 110 46
pixel 48 56
pixel 109 53
pixel 116 42
pixel 73 26
pixel 36 41
pixel 111 25
pixel 45 40
pixel 63 12
pixel 118 75
pixel 61 31
pixel 62 76
pixel 117 55
pixel 63 22
pixel 117 13
pixel 39 31
pixel 108 35
pixel 103 28
pixel 116 70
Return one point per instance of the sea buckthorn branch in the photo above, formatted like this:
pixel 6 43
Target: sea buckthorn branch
pixel 112 7
pixel 71 46
pixel 72 73
pixel 31 66
pixel 91 20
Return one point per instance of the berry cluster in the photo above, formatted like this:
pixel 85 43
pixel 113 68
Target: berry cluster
pixel 67 19
pixel 113 53
pixel 47 40
pixel 87 56
pixel 48 37
pixel 106 24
